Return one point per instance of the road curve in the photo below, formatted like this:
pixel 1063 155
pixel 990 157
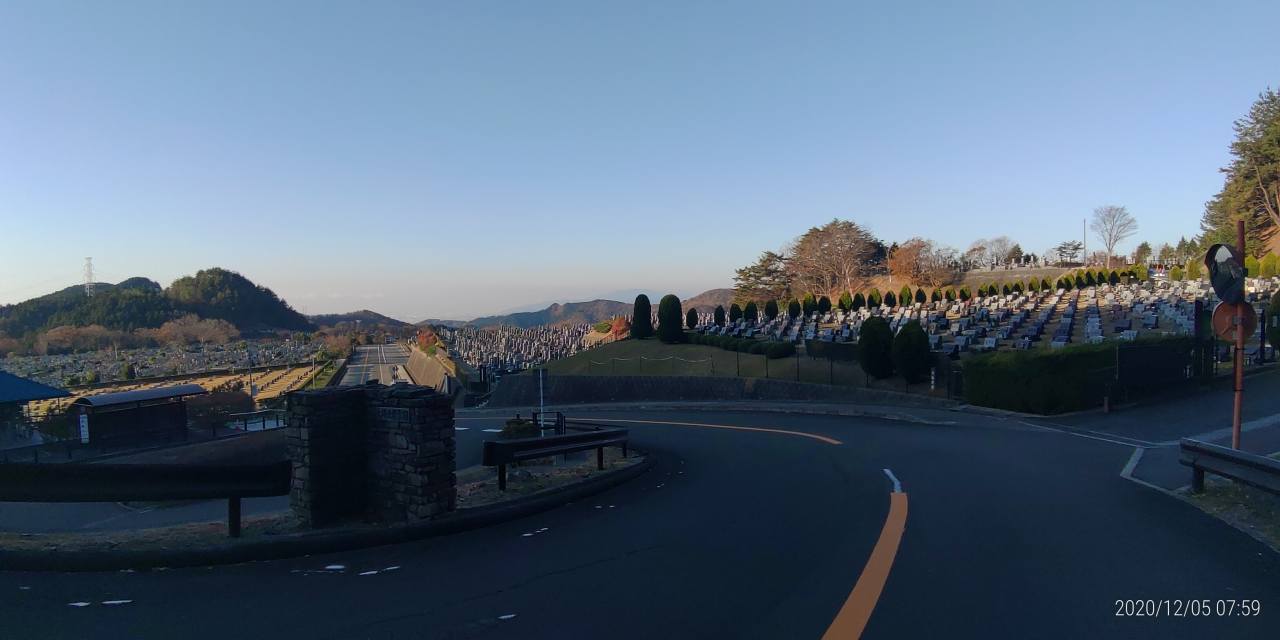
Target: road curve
pixel 743 532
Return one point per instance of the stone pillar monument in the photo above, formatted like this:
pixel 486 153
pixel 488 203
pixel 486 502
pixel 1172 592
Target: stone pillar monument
pixel 371 453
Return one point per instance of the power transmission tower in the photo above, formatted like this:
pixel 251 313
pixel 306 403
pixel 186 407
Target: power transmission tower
pixel 88 277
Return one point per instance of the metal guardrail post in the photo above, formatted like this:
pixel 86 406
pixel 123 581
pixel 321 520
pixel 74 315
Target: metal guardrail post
pixel 502 477
pixel 600 458
pixel 233 516
pixel 1197 480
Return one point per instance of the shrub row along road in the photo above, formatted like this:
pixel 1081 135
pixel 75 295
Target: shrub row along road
pixel 781 527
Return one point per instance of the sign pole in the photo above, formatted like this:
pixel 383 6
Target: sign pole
pixel 1239 360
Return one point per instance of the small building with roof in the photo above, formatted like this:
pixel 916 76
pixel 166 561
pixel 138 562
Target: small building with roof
pixel 16 391
pixel 132 416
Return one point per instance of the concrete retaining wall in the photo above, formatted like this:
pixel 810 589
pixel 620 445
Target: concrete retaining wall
pixel 427 371
pixel 522 391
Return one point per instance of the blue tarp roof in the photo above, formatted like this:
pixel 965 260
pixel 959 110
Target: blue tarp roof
pixel 141 395
pixel 15 389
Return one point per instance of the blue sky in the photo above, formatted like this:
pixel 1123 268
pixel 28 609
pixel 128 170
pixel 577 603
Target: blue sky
pixel 456 159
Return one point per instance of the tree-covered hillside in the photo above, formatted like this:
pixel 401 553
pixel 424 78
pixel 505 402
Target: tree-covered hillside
pixel 227 295
pixel 141 303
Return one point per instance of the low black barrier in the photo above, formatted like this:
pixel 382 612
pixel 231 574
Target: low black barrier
pixel 144 482
pixel 1248 468
pixel 501 453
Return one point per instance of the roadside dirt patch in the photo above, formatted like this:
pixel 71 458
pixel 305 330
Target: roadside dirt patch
pixel 196 534
pixel 1254 511
pixel 478 486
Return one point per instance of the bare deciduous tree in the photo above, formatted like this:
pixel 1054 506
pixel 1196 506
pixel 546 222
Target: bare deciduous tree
pixel 998 248
pixel 1112 225
pixel 837 256
pixel 923 263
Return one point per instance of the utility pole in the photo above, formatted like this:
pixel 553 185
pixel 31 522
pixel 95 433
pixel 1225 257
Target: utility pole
pixel 1239 359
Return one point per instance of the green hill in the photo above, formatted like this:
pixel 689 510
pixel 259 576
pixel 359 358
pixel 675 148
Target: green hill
pixel 139 302
pixel 366 318
pixel 227 295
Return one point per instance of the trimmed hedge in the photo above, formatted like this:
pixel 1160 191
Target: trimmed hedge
pixel 911 352
pixel 1193 269
pixel 1273 308
pixel 718 316
pixel 875 342
pixel 1269 266
pixel 670 319
pixel 1053 381
pixel 641 318
pixel 844 351
pixel 768 348
pixel 771 309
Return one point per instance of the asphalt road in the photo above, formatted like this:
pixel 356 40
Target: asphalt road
pixel 376 362
pixel 1011 531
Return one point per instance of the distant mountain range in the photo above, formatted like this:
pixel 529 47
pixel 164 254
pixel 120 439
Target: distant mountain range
pixel 218 293
pixel 142 303
pixel 582 312
pixel 365 317
pixel 707 301
pixel 571 313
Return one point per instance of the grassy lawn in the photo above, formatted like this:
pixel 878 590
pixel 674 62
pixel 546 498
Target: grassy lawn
pixel 323 377
pixel 653 358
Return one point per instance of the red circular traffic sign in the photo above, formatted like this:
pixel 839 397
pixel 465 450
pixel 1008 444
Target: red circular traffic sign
pixel 1224 320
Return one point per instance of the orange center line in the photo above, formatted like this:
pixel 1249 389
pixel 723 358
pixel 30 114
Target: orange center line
pixel 852 619
pixel 801 434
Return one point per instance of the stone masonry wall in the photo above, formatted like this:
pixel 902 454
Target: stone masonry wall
pixel 372 452
pixel 411 454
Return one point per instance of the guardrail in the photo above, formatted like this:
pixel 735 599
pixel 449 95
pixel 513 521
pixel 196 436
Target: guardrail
pixel 72 450
pixel 145 482
pixel 278 416
pixel 501 453
pixel 1248 468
